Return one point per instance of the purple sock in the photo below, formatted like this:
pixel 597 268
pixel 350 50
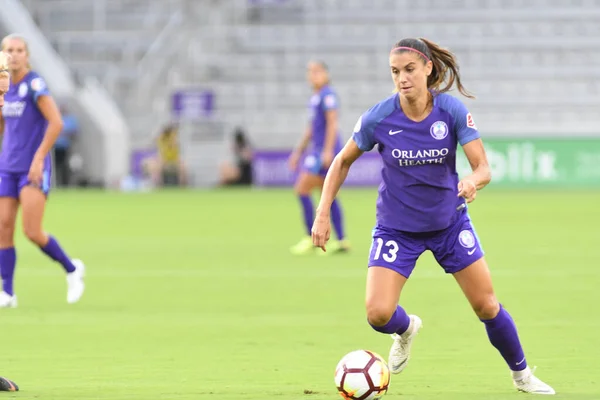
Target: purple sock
pixel 336 218
pixel 502 332
pixel 307 209
pixel 399 323
pixel 8 260
pixel 55 252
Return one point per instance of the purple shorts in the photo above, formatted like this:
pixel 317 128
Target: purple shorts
pixel 454 248
pixel 12 183
pixel 313 164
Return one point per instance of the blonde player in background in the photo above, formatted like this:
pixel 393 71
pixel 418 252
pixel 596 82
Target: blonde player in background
pixel 31 124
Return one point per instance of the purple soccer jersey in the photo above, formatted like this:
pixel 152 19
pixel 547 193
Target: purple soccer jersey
pixel 24 129
pixel 319 104
pixel 418 192
pixel 417 202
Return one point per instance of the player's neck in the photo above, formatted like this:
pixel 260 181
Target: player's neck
pixel 16 77
pixel 416 109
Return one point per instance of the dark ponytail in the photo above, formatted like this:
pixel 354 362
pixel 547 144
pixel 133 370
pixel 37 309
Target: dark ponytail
pixel 445 67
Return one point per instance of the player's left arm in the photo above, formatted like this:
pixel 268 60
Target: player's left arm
pixel 331 128
pixel 470 140
pixel 51 113
pixel 475 153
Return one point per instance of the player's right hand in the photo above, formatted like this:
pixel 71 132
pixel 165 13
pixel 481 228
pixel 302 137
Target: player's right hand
pixel 321 230
pixel 293 161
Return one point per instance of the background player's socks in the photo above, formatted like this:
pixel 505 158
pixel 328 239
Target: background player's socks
pixel 308 212
pixel 8 260
pixel 399 323
pixel 337 219
pixel 502 332
pixel 305 245
pixel 55 252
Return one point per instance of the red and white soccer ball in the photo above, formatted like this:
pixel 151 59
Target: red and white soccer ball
pixel 362 375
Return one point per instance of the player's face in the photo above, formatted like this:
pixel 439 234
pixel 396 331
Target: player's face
pixel 4 85
pixel 19 58
pixel 409 73
pixel 316 75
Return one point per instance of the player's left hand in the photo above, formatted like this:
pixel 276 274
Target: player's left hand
pixel 326 158
pixel 320 232
pixel 467 189
pixel 36 172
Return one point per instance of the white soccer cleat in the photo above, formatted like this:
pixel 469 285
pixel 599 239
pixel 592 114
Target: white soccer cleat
pixel 75 285
pixel 400 351
pixel 8 301
pixel 526 382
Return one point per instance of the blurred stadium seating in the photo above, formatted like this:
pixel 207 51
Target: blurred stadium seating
pixel 532 64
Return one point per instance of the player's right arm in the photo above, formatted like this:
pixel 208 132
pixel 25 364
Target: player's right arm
pixel 302 145
pixel 1 124
pixel 362 140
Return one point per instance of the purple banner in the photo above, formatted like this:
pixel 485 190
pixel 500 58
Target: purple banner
pixel 271 169
pixel 192 104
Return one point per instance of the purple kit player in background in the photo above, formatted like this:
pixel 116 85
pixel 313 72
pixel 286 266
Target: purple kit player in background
pixel 421 204
pixel 323 136
pixel 31 123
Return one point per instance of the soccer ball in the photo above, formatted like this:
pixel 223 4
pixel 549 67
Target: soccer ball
pixel 362 375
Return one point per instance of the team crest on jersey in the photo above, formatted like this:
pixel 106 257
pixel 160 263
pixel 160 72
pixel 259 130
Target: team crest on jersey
pixel 439 130
pixel 37 84
pixel 23 89
pixel 470 122
pixel 329 101
pixel 466 239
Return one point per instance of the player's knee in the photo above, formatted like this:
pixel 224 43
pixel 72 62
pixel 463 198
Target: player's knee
pixel 35 235
pixel 301 189
pixel 487 307
pixel 379 314
pixel 7 231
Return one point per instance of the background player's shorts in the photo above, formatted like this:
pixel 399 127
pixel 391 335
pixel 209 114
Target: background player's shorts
pixel 454 248
pixel 11 184
pixel 313 164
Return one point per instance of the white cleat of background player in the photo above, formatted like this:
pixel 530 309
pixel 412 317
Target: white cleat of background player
pixel 75 284
pixel 7 301
pixel 75 287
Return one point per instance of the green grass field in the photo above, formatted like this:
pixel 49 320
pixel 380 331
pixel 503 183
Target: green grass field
pixel 193 295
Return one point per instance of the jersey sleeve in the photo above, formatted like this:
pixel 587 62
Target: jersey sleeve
pixel 364 133
pixel 38 88
pixel 330 101
pixel 464 126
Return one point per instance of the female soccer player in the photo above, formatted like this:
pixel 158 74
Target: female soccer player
pixel 31 123
pixel 422 203
pixel 322 133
